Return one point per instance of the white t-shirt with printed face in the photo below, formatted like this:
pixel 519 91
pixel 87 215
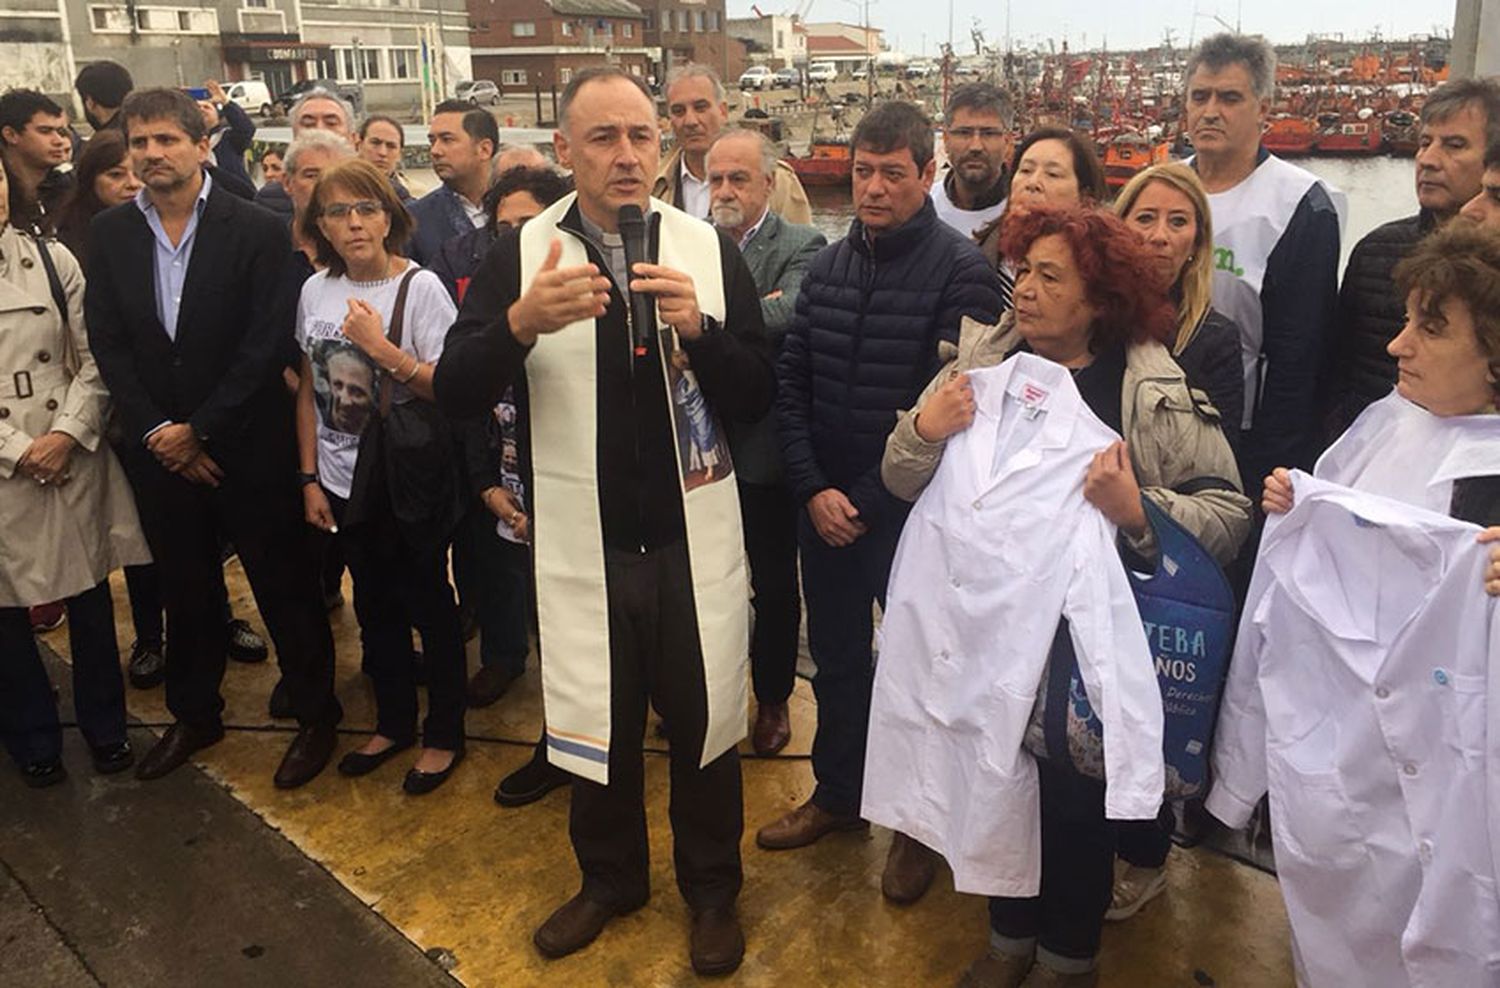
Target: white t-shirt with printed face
pixel 347 383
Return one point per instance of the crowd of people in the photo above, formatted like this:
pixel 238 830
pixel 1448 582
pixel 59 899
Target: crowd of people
pixel 639 406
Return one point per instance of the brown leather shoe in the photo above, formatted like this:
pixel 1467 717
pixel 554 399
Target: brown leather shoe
pixel 996 970
pixel 174 749
pixel 909 870
pixel 803 826
pixel 306 757
pixel 574 925
pixel 773 729
pixel 718 943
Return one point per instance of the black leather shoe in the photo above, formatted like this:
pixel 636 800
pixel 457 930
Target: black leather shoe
pixel 355 764
pixel 40 775
pixel 112 758
pixel 718 943
pixel 281 702
pixel 148 665
pixel 531 781
pixel 421 783
pixel 175 748
pixel 244 644
pixel 574 925
pixel 306 757
pixel 488 685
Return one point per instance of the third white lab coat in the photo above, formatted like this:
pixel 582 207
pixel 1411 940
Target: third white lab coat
pixel 1000 546
pixel 1363 695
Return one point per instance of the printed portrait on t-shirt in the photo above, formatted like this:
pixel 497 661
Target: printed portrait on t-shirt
pixel 346 389
pixel 702 449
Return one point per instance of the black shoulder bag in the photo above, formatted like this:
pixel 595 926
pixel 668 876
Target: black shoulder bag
pixel 410 446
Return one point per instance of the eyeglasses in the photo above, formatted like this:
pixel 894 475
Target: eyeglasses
pixel 364 209
pixel 969 133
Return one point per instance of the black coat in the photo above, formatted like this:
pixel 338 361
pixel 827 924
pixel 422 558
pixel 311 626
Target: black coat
pixel 222 373
pixel 1371 313
pixel 1212 363
pixel 639 476
pixel 864 344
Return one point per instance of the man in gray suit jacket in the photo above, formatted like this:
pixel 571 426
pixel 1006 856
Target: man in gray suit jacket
pixel 742 176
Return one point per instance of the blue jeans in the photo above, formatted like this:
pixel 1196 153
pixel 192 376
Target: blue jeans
pixel 841 587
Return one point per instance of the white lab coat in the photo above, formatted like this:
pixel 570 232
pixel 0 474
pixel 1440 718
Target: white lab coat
pixel 1000 546
pixel 1362 696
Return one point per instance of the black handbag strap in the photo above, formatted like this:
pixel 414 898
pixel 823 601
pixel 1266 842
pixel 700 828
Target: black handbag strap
pixel 59 297
pixel 398 323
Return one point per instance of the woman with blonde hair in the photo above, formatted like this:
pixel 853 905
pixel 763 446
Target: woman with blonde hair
pixel 1167 205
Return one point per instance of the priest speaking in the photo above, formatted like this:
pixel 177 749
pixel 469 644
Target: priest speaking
pixel 641 582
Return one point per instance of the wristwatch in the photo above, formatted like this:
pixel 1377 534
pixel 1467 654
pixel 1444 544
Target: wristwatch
pixel 306 478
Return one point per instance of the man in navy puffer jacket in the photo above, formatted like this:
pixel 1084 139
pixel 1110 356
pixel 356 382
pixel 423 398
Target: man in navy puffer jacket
pixel 872 309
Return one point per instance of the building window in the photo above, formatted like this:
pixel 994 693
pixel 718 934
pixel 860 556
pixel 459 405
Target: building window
pixel 403 63
pixel 513 77
pixel 607 28
pixel 635 69
pixel 698 21
pixel 523 29
pixel 343 64
pixel 713 20
pixel 567 29
pixel 628 30
pixel 650 19
pixel 263 4
pixel 370 57
pixel 564 75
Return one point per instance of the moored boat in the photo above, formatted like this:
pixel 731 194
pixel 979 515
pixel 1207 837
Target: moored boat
pixel 1290 137
pixel 1131 152
pixel 1345 134
pixel 828 162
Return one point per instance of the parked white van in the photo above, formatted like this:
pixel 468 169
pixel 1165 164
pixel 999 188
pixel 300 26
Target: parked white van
pixel 252 95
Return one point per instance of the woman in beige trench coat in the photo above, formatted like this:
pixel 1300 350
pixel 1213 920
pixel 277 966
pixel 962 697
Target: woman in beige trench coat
pixel 66 513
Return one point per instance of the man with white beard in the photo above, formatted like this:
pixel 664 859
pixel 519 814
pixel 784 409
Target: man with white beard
pixel 742 174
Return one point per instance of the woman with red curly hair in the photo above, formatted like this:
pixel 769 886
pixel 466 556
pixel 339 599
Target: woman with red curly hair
pixel 1088 297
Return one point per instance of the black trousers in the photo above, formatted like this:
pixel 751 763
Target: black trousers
pixel 1146 843
pixel 842 586
pixel 769 514
pixel 262 516
pixel 494 582
pixel 1078 851
pixel 28 714
pixel 654 657
pixel 398 587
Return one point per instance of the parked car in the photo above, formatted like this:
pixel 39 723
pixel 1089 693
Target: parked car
pixel 788 78
pixel 478 91
pixel 920 70
pixel 822 72
pixel 285 101
pixel 252 96
pixel 861 72
pixel 756 77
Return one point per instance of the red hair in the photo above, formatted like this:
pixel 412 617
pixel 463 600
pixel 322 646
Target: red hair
pixel 1120 279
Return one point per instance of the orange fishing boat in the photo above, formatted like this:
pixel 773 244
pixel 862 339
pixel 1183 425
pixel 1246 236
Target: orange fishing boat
pixel 1290 137
pixel 1131 152
pixel 1350 134
pixel 828 161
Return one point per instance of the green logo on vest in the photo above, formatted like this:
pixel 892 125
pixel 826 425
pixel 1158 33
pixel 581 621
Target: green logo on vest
pixel 1224 261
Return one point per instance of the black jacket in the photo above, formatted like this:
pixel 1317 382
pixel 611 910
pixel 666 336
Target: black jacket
pixel 222 373
pixel 639 475
pixel 1371 313
pixel 1212 363
pixel 864 344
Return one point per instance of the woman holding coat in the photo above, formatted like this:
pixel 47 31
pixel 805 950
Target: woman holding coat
pixel 1086 297
pixel 66 514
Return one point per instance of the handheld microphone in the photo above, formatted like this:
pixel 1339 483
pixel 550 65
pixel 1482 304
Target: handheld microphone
pixel 642 307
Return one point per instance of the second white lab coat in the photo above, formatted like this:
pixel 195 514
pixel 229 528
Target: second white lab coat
pixel 1001 546
pixel 1363 696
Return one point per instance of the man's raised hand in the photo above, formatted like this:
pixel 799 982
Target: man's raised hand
pixel 558 297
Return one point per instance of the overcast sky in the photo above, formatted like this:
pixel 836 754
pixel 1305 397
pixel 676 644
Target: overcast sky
pixel 1123 23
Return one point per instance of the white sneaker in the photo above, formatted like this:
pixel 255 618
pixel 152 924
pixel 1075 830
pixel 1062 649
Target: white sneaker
pixel 1134 887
